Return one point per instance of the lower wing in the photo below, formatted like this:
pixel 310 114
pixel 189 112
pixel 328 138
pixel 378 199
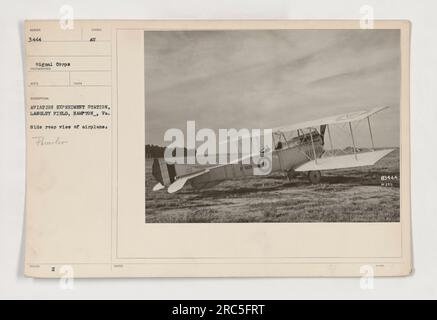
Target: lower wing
pixel 344 161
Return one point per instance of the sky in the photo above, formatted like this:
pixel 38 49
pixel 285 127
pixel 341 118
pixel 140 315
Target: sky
pixel 270 78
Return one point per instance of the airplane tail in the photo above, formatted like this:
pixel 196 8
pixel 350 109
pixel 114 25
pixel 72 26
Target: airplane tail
pixel 164 173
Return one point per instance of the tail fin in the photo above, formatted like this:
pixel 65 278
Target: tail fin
pixel 164 173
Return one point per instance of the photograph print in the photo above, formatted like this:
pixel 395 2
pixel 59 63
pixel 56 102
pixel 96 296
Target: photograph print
pixel 272 126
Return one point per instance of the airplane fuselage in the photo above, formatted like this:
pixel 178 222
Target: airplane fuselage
pixel 284 159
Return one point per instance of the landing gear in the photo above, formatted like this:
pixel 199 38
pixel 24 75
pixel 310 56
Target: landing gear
pixel 314 177
pixel 290 174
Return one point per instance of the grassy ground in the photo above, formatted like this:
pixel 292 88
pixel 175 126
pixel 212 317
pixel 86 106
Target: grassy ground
pixel 353 195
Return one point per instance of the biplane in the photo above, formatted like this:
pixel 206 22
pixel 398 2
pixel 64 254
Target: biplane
pixel 298 148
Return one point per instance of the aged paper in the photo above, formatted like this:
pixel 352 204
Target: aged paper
pixel 103 201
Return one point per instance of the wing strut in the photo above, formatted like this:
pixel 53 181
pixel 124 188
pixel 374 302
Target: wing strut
pixel 353 141
pixel 330 138
pixel 314 149
pixel 371 135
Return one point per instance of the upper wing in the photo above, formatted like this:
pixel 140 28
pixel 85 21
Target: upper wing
pixel 340 118
pixel 344 161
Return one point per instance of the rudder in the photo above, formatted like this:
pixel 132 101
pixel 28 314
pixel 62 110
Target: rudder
pixel 163 172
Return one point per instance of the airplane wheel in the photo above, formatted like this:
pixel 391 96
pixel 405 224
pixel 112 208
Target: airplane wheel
pixel 314 176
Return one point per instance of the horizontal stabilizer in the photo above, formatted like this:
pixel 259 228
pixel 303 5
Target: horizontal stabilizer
pixel 180 182
pixel 344 161
pixel 158 187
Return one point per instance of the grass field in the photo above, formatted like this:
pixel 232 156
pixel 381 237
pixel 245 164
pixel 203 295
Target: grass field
pixel 353 195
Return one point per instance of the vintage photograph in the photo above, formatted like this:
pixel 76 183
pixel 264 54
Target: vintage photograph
pixel 279 126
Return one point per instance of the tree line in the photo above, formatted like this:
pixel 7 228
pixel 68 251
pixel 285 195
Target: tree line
pixel 154 151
